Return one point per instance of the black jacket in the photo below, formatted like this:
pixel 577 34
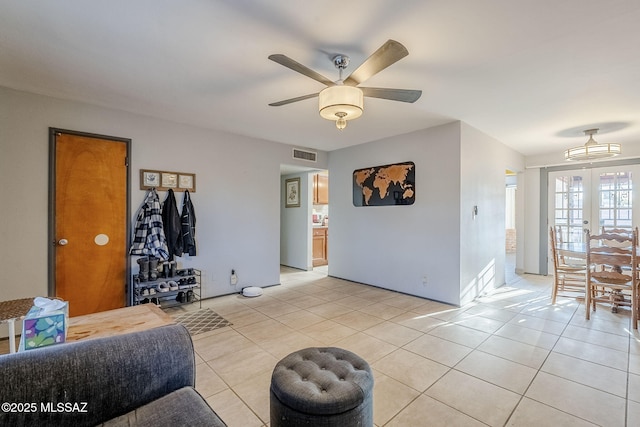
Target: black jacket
pixel 188 225
pixel 172 226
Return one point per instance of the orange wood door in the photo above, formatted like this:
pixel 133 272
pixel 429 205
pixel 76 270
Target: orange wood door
pixel 90 246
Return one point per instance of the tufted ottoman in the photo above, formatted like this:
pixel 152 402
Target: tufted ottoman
pixel 322 387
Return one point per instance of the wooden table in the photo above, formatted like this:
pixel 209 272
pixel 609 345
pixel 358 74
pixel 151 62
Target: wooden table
pixel 115 322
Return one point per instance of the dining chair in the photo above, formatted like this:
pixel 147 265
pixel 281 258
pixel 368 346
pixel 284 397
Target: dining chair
pixel 625 231
pixel 569 274
pixel 613 274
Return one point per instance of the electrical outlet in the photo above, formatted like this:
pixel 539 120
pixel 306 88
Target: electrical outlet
pixel 424 280
pixel 234 278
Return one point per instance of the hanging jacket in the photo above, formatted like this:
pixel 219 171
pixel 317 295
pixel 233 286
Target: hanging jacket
pixel 148 238
pixel 172 225
pixel 188 225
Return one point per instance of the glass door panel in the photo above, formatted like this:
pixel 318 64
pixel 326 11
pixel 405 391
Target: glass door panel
pixel 569 205
pixel 615 200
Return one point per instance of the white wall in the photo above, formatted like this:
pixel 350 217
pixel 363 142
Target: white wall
pixel 395 246
pixel 237 201
pixel 483 163
pixel 295 225
pixel 457 168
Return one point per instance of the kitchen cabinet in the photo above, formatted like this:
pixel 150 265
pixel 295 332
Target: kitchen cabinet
pixel 320 189
pixel 320 246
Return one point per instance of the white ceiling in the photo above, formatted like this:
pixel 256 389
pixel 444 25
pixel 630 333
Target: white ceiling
pixel 530 73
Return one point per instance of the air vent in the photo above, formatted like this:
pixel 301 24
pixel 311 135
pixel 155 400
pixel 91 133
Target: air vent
pixel 309 156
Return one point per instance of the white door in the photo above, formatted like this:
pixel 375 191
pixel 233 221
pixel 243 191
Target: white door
pixel 617 198
pixel 570 204
pixel 589 199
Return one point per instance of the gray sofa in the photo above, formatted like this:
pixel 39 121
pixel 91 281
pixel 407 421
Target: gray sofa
pixel 139 379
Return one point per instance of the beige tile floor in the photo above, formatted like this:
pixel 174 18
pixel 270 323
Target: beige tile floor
pixel 508 359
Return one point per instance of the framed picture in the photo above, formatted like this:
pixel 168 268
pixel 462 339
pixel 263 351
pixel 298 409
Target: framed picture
pixel 164 180
pixel 169 180
pixel 292 193
pixel 149 179
pixel 187 181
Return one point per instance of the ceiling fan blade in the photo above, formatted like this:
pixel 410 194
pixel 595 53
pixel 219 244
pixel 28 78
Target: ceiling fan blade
pixel 404 95
pixel 296 66
pixel 289 101
pixel 387 54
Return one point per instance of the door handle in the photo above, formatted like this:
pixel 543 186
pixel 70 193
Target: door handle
pixel 63 242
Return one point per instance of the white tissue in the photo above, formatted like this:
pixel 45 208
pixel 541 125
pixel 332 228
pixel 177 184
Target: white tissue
pixel 46 304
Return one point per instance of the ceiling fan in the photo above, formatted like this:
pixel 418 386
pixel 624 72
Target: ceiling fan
pixel 342 100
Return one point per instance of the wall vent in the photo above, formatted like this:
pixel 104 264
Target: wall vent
pixel 310 156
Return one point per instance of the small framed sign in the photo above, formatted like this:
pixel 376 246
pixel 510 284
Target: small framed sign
pixel 169 180
pixel 149 179
pixel 187 181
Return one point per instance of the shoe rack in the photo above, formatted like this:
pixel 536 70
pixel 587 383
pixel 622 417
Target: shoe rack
pixel 168 288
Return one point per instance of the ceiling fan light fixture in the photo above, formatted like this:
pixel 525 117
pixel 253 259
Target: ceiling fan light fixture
pixel 592 150
pixel 344 102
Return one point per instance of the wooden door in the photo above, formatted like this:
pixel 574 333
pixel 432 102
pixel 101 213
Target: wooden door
pixel 89 221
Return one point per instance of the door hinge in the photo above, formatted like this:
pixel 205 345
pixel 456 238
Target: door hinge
pixel 126 161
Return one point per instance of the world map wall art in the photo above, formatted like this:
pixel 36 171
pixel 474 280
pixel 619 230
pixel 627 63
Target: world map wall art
pixel 386 185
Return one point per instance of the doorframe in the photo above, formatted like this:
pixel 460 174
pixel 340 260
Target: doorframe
pixel 544 201
pixel 51 241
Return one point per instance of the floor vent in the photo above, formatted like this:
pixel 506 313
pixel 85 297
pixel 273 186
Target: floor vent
pixel 309 156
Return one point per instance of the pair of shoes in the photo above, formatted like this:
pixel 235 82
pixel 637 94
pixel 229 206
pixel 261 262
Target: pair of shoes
pixel 163 287
pixel 148 291
pixel 188 296
pixel 173 286
pixel 181 297
pixel 184 283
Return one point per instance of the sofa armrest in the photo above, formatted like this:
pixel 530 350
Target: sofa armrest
pixel 89 382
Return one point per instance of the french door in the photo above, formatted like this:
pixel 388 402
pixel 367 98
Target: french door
pixel 590 199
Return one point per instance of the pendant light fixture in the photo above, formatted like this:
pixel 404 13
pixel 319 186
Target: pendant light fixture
pixel 341 102
pixel 592 150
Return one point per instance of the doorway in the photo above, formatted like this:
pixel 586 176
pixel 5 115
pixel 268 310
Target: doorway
pixel 320 221
pixel 88 220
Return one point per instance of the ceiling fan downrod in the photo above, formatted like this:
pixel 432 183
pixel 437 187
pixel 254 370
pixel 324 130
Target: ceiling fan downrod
pixel 341 62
